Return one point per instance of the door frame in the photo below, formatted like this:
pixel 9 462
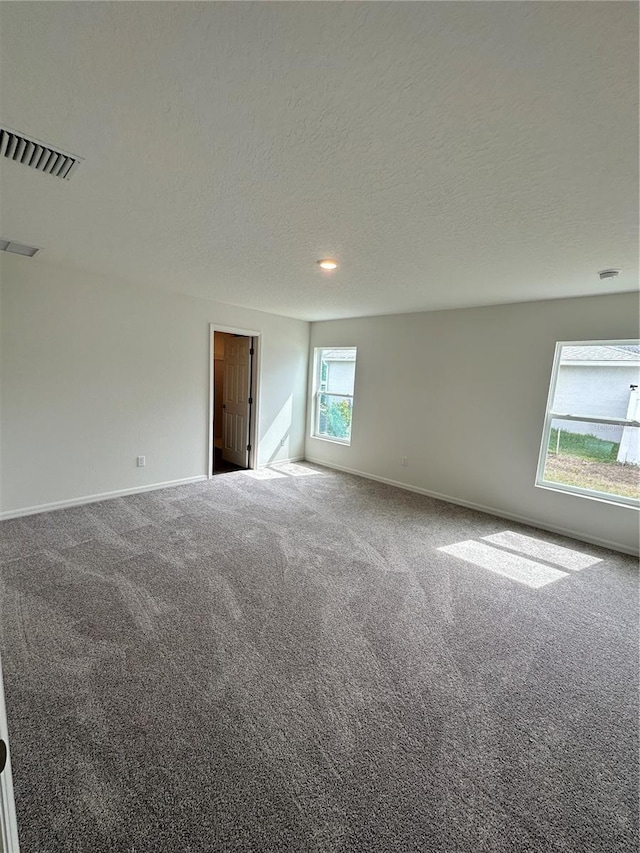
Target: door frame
pixel 254 392
pixel 8 823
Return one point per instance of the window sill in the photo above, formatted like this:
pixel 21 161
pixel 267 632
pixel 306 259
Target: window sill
pixel 341 441
pixel 629 503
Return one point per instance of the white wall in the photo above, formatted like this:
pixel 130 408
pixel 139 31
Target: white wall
pixel 462 394
pixel 95 373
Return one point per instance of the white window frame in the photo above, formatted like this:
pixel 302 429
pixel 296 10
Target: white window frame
pixel 551 415
pixel 318 390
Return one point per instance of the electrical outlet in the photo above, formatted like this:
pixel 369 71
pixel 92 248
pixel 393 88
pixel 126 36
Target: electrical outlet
pixel 404 461
pixel 141 461
pixel 282 442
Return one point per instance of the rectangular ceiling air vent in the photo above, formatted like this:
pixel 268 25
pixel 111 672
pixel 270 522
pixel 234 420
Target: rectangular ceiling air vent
pixel 17 248
pixel 36 154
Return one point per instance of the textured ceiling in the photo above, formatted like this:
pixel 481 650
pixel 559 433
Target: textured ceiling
pixel 448 154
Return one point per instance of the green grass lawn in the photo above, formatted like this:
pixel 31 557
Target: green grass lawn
pixel 583 446
pixel 591 463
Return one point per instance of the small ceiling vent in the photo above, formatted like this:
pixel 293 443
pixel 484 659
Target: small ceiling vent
pixel 18 248
pixel 612 273
pixel 31 152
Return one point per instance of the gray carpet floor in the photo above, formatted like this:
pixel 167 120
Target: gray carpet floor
pixel 288 662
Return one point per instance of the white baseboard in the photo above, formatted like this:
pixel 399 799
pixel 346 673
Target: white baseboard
pixel 531 522
pixel 282 462
pixel 90 499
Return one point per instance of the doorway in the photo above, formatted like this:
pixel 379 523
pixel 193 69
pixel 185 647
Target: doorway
pixel 233 400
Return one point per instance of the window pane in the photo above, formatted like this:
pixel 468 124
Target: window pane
pixel 338 371
pixel 599 457
pixel 594 380
pixel 334 416
pixel 333 392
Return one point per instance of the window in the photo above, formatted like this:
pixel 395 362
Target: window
pixel 334 379
pixel 591 438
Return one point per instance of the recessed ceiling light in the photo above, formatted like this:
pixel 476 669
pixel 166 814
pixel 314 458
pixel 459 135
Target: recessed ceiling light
pixel 609 273
pixel 328 264
pixel 18 248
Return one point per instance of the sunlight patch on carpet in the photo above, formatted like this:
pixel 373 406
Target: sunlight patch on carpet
pixel 567 558
pixel 294 470
pixel 512 566
pixel 264 474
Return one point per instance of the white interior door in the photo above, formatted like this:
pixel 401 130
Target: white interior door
pixel 237 374
pixel 8 823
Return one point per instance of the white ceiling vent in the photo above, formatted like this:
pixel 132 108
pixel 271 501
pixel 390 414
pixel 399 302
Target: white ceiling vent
pixel 31 152
pixel 17 248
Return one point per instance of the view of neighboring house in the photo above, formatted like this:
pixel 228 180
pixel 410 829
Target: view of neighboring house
pixel 338 371
pixel 601 382
pixel 335 382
